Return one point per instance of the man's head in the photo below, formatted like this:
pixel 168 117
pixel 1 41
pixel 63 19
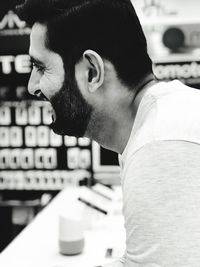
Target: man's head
pixel 70 41
pixel 50 81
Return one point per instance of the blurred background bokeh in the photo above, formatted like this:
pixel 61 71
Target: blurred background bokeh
pixel 35 164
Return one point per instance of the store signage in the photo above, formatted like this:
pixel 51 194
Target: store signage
pixel 177 70
pixel 19 64
pixel 11 20
pixel 12 25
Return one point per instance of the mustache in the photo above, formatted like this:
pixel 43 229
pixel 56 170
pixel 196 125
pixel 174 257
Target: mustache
pixel 41 96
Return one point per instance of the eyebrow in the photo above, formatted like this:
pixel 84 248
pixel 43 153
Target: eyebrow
pixel 36 61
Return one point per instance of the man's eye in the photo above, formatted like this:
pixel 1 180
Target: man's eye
pixel 39 68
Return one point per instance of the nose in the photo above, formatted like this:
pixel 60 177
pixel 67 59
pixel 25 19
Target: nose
pixel 34 83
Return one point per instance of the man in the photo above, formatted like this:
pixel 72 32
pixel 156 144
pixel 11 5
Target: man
pixel 90 61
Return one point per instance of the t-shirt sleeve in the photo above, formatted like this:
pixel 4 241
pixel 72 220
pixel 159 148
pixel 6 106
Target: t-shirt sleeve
pixel 161 190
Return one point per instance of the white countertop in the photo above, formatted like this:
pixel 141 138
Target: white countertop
pixel 37 244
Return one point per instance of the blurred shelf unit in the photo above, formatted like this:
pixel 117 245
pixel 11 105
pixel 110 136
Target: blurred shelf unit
pixel 32 157
pixel 174 46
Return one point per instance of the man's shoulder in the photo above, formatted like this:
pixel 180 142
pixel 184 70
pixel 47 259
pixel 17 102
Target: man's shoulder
pixel 172 114
pixel 178 114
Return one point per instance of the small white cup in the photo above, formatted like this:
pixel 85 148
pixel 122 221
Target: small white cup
pixel 71 233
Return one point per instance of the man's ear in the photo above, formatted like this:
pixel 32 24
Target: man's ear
pixel 94 69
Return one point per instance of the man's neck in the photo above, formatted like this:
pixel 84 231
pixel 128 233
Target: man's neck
pixel 147 83
pixel 114 134
pixel 141 90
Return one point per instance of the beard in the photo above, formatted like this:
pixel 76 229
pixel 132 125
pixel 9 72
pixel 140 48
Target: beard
pixel 72 112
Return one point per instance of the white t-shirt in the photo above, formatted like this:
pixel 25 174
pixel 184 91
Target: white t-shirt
pixel 160 172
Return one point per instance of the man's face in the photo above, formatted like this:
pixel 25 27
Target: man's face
pixel 71 112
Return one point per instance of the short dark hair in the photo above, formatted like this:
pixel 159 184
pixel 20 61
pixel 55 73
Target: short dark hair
pixel 109 27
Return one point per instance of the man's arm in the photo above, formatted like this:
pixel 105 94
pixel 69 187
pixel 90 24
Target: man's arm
pixel 161 191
